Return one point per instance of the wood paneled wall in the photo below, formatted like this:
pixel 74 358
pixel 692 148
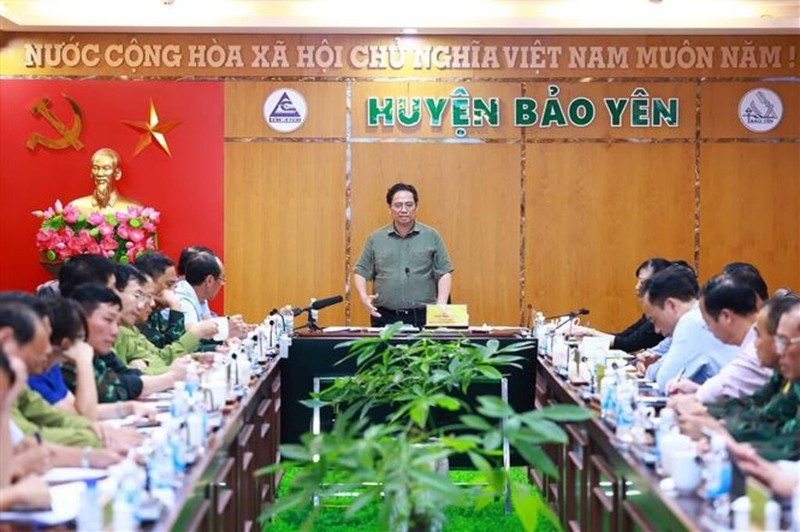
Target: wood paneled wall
pixel 557 217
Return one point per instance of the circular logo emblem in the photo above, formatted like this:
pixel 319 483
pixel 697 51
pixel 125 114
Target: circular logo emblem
pixel 285 110
pixel 760 110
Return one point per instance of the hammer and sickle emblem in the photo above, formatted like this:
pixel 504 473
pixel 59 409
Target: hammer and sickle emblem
pixel 69 136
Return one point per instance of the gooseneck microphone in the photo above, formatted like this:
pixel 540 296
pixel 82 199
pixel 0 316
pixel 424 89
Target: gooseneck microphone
pixel 571 314
pixel 319 304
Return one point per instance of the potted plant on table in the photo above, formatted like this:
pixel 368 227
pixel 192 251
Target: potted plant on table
pixel 393 462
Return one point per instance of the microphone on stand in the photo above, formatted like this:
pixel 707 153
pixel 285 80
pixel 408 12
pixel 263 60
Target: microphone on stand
pixel 571 315
pixel 319 304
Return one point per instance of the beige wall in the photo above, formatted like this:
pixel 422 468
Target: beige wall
pixel 556 217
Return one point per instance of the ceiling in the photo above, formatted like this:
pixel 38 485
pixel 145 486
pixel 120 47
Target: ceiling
pixel 424 16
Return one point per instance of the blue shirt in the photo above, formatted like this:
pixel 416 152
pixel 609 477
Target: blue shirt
pixel 50 384
pixel 695 348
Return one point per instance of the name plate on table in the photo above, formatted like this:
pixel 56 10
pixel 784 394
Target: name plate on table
pixel 446 316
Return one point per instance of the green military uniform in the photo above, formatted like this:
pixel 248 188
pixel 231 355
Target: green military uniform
pixel 33 414
pixel 115 381
pixel 132 345
pixel 733 407
pixel 163 331
pixel 772 428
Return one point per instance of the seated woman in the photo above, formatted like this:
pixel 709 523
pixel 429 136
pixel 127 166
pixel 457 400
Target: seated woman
pixel 640 334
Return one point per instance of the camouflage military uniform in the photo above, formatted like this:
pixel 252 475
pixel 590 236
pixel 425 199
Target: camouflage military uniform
pixel 163 331
pixel 772 428
pixel 115 381
pixel 733 407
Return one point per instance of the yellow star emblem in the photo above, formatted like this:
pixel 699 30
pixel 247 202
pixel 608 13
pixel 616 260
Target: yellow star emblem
pixel 152 129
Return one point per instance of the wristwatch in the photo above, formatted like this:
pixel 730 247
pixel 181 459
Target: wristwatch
pixel 86 457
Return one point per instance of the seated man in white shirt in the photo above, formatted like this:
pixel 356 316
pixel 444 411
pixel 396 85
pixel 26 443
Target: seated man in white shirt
pixel 670 303
pixel 730 308
pixel 204 277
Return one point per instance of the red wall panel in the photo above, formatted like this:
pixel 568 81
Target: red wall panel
pixel 187 188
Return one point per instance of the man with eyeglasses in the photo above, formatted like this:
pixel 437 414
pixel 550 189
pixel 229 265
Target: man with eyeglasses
pixel 407 262
pixel 131 346
pixel 115 382
pixel 164 324
pixel 767 420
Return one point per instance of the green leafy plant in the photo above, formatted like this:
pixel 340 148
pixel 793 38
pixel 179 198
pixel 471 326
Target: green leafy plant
pixel 416 378
pixel 395 462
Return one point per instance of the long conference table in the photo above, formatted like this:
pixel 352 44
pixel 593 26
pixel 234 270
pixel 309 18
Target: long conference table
pixel 599 487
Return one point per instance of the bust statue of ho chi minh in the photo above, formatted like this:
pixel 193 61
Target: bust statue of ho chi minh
pixel 105 198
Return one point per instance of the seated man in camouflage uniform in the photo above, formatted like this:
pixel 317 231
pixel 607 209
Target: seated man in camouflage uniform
pixel 115 381
pixel 164 323
pixel 24 335
pixel 767 419
pixel 131 346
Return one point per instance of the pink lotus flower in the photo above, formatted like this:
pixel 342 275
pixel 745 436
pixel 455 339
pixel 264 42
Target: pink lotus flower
pixel 71 214
pixel 123 231
pixel 105 228
pixel 109 244
pixel 136 235
pixel 121 236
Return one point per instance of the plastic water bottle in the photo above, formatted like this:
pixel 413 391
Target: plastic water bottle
pixel 195 432
pixel 126 500
pixel 288 320
pixel 177 444
pixel 538 329
pixel 283 346
pixel 545 339
pixel 626 404
pixel 90 516
pixel 160 465
pixel 192 379
pixel 718 475
pixel 608 396
pixel 179 405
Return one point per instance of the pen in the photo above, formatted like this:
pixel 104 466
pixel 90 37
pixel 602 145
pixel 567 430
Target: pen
pixel 680 374
pixel 38 437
